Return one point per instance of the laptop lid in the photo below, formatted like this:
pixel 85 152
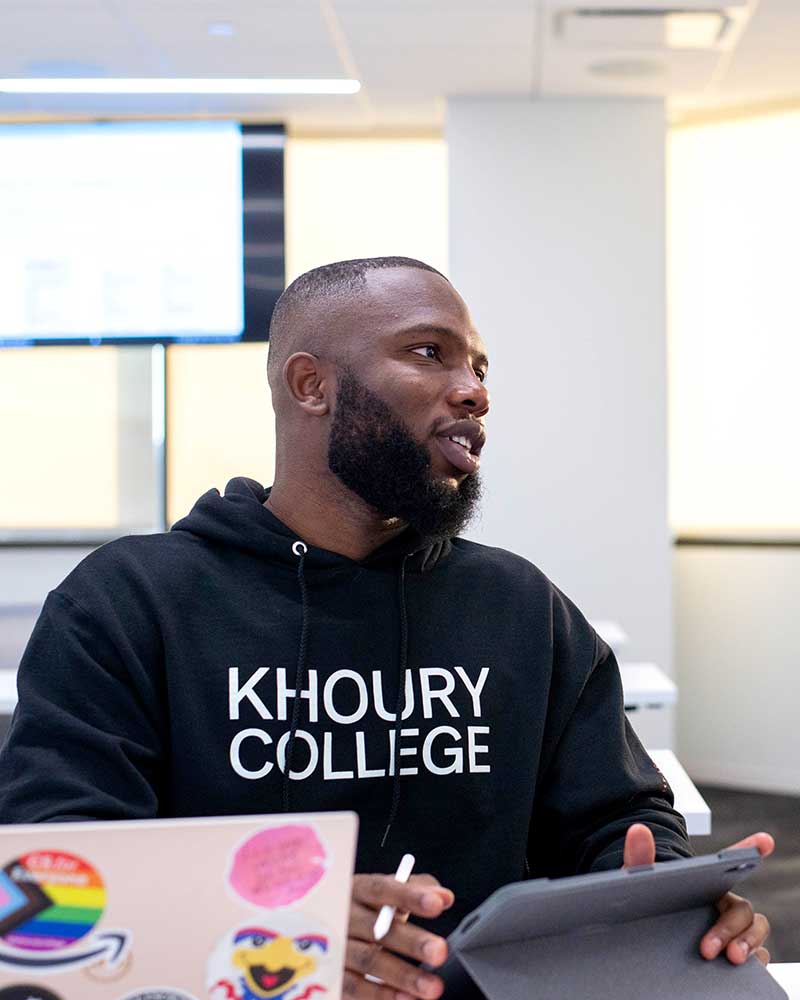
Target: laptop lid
pixel 235 908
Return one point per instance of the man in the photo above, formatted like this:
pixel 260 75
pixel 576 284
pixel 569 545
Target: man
pixel 329 643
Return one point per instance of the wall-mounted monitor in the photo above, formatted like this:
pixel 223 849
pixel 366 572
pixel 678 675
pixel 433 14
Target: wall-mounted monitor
pixel 139 232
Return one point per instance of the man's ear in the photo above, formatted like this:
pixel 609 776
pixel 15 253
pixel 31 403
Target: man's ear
pixel 307 380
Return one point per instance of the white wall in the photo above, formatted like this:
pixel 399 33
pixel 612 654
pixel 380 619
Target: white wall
pixel 349 198
pixel 557 232
pixel 734 350
pixel 738 665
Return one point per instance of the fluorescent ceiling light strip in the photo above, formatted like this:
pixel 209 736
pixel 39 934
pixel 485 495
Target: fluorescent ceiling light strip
pixel 162 85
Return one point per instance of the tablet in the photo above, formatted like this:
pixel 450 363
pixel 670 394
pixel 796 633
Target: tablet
pixel 623 934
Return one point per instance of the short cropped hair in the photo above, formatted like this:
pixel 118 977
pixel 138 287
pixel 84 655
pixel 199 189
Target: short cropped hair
pixel 340 280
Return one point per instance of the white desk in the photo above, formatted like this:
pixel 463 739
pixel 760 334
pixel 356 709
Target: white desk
pixel 787 974
pixel 644 685
pixel 688 801
pixel 8 691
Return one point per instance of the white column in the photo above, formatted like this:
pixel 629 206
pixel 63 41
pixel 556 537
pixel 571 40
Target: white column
pixel 557 243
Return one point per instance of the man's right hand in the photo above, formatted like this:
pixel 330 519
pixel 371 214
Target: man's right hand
pixel 421 896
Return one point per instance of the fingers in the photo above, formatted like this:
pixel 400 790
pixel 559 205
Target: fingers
pixel 361 989
pixel 424 879
pixel 421 895
pixel 363 958
pixel 377 971
pixel 403 938
pixel 640 846
pixel 739 932
pixel 746 944
pixel 765 843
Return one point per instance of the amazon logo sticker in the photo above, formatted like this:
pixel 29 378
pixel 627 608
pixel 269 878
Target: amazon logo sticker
pixel 50 905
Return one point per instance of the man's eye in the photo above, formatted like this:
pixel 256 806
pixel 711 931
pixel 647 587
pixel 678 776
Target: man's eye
pixel 431 348
pixel 481 375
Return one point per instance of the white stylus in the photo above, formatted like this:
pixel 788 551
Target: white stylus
pixel 386 915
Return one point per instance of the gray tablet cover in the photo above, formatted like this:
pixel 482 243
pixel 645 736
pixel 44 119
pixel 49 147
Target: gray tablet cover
pixel 627 934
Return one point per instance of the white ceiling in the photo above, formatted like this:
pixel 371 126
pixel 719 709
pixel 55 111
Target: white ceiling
pixel 409 54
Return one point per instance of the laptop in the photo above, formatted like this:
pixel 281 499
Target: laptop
pixel 233 908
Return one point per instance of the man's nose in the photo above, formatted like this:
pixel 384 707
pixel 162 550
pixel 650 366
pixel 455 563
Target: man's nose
pixel 469 394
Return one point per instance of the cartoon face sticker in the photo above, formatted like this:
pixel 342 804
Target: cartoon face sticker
pixel 271 962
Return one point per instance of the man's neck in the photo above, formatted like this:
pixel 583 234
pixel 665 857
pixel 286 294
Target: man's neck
pixel 329 516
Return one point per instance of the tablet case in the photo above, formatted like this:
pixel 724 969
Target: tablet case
pixel 628 934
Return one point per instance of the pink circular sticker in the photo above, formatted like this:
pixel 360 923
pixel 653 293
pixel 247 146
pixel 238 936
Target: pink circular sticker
pixel 277 866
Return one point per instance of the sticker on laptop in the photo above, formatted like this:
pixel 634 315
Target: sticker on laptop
pixel 278 866
pixel 50 905
pixel 101 971
pixel 27 991
pixel 157 993
pixel 287 958
pixel 49 900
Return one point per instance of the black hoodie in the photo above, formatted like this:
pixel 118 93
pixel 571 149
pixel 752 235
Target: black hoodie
pixel 160 681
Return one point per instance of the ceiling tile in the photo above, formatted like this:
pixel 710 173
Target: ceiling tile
pixel 407 71
pixel 265 42
pixel 222 9
pixel 64 6
pixel 446 30
pixel 176 25
pixel 88 35
pixel 764 68
pixel 434 7
pixel 625 74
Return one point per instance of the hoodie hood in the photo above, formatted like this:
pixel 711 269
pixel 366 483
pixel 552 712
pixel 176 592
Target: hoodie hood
pixel 239 518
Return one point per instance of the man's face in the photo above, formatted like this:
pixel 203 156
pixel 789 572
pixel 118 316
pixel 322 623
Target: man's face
pixel 412 379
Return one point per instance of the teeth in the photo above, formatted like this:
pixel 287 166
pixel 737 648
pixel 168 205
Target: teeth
pixel 464 442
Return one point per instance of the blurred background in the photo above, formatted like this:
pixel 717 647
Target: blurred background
pixel 612 187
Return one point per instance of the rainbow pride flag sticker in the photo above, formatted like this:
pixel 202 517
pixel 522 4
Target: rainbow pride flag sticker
pixel 49 900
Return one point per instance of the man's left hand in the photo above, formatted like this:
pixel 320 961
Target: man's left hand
pixel 739 932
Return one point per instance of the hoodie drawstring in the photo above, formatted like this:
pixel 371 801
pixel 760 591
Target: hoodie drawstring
pixel 299 548
pixel 401 701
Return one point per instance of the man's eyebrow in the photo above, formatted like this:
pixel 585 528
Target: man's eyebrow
pixel 441 330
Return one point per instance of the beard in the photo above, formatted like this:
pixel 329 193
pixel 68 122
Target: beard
pixel 375 455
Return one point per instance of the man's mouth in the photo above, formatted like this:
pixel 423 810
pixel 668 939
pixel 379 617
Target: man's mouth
pixel 461 444
pixel 267 980
pixel 458 454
